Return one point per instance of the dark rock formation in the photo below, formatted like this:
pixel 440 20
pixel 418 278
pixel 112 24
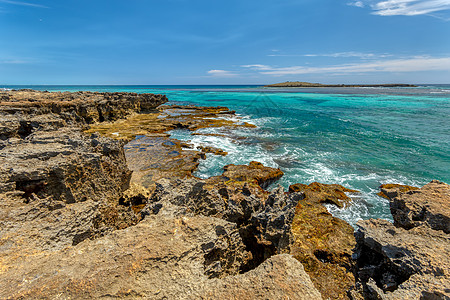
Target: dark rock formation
pixel 323 243
pixel 410 258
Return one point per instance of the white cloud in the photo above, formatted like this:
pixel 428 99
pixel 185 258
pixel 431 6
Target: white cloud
pixel 340 54
pixel 356 3
pixel 415 64
pixel 409 7
pixel 258 67
pixel 221 73
pixel 22 3
pixel 404 7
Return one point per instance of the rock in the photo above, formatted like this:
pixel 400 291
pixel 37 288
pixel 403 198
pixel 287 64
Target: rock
pixel 159 258
pixel 153 158
pixel 390 190
pixel 324 193
pixel 429 205
pixel 410 258
pixel 255 172
pixel 213 150
pixel 405 264
pixel 263 226
pixel 323 243
pixel 166 118
pixel 65 165
pixel 282 275
pixel 73 227
pixel 24 112
pixel 58 189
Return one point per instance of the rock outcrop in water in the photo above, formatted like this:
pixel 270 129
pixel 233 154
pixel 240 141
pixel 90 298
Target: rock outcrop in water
pixel 72 227
pixel 409 259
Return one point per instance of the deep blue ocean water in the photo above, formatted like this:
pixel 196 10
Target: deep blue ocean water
pixel 357 137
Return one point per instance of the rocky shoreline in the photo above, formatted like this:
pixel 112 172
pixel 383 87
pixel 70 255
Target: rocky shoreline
pixel 97 201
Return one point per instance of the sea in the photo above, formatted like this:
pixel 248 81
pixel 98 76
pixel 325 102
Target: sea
pixel 357 137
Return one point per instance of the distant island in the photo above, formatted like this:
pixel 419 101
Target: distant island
pixel 309 84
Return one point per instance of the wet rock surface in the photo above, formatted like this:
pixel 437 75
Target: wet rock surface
pixel 410 258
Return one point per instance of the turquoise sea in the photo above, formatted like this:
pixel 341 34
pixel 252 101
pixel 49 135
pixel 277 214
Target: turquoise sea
pixel 357 137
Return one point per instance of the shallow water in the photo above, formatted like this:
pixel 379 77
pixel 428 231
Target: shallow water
pixel 357 137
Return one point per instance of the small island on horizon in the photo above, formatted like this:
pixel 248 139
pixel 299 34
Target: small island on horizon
pixel 309 84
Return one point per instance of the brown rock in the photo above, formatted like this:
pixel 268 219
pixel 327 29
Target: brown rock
pixel 161 257
pixel 153 158
pixel 391 190
pixel 406 264
pixel 410 258
pixel 213 150
pixel 323 243
pixel 324 193
pixel 255 172
pixel 429 205
pixel 167 118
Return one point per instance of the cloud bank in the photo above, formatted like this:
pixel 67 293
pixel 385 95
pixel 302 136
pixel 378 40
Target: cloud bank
pixel 416 64
pixel 404 7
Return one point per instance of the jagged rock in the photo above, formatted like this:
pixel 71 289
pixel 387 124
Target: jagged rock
pixel 264 226
pixel 70 230
pixel 410 258
pixel 406 264
pixel 391 190
pixel 66 165
pixel 160 258
pixel 255 173
pixel 429 205
pixel 323 243
pixel 59 188
pixel 20 111
pixel 324 193
pixel 213 150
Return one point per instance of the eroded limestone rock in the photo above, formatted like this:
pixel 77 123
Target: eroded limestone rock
pixel 410 258
pixel 163 257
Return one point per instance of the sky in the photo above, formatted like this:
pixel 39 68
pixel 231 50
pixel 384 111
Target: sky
pixel 140 42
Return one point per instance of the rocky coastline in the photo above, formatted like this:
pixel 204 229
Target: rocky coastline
pixel 98 201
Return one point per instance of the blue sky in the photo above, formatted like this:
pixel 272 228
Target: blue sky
pixel 224 42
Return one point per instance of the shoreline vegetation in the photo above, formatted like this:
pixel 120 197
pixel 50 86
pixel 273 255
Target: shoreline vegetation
pixel 98 201
pixel 318 85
